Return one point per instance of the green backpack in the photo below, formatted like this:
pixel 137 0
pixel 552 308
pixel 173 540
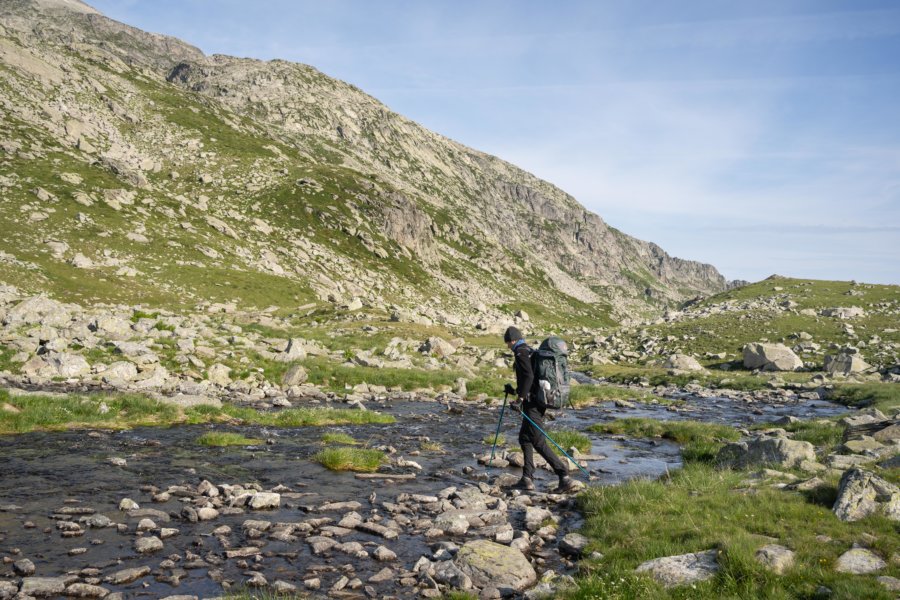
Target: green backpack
pixel 550 363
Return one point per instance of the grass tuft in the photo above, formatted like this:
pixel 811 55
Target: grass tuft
pixel 221 438
pixel 344 458
pixel 338 438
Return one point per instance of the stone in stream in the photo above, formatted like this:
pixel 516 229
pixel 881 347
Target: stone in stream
pixel 859 561
pixel 127 575
pixel 128 504
pixel 488 564
pixel 8 590
pixel 24 567
pixel 264 500
pixel 672 571
pixel 573 544
pixel 146 545
pixel 45 586
pixel 776 558
pixel 384 554
pixel 385 574
pixel 862 493
pixel 86 590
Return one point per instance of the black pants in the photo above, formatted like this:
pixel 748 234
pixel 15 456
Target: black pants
pixel 531 439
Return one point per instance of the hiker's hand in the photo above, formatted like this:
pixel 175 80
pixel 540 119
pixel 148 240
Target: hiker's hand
pixel 508 389
pixel 516 406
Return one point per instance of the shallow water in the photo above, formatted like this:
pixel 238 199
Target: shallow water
pixel 42 472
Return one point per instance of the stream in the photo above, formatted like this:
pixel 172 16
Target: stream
pixel 44 475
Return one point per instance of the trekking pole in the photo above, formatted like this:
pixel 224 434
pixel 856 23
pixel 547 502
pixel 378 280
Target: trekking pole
pixel 497 433
pixel 588 475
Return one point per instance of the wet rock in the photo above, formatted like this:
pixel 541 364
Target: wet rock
pixel 45 586
pixel 146 525
pixel 382 576
pixel 8 590
pixel 384 554
pixel 672 571
pixel 128 504
pixel 447 572
pixel 207 513
pixel 127 575
pixel 776 558
pixel 862 493
pixel 573 544
pixel 23 567
pixel 489 564
pixel 859 561
pixel 283 587
pixel 146 545
pixel 264 500
pixel 535 517
pixel 766 449
pixel 313 583
pixel 85 590
pixel 157 515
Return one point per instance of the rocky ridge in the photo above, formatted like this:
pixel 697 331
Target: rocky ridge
pixel 133 159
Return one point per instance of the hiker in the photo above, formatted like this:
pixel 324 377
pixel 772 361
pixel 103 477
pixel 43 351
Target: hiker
pixel 530 438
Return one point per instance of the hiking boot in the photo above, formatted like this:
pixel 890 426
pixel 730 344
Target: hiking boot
pixel 525 484
pixel 566 484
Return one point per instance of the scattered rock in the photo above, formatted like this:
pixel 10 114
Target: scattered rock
pixel 859 561
pixel 672 571
pixel 862 493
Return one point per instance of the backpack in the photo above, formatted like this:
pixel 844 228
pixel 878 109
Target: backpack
pixel 550 363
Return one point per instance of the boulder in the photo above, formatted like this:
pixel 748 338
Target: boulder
pixel 846 362
pixel 294 376
pixel 770 357
pixel 38 309
pixel 672 571
pixel 111 327
pixel 773 449
pixel 437 346
pixel 862 493
pixel 859 561
pixel 146 545
pixel 264 500
pixel 219 374
pixel 777 559
pixel 493 565
pixel 682 362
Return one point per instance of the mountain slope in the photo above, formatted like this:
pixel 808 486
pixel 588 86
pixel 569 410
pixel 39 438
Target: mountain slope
pixel 136 169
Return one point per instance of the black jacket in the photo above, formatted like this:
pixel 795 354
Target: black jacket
pixel 525 375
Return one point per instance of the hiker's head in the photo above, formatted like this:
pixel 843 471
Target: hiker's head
pixel 511 336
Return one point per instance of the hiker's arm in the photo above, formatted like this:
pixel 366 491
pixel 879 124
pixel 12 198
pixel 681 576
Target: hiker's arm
pixel 524 375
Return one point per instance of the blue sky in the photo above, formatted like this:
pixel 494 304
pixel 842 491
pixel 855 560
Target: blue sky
pixel 762 137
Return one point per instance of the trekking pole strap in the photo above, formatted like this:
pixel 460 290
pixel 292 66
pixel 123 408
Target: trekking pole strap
pixel 497 433
pixel 566 454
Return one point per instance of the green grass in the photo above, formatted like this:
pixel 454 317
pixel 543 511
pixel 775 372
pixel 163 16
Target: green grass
pixel 699 441
pixel 700 508
pixel 338 438
pixel 568 438
pixel 821 433
pixel 344 458
pixel 221 438
pixel 45 413
pixel 883 396
pixel 124 411
pixel 489 440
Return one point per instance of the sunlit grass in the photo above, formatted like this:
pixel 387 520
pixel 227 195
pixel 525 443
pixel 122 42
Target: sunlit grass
pixel 221 438
pixel 344 458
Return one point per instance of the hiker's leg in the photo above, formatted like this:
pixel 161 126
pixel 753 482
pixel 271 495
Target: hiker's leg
pixel 526 442
pixel 542 446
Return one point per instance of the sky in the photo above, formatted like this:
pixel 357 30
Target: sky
pixel 762 137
